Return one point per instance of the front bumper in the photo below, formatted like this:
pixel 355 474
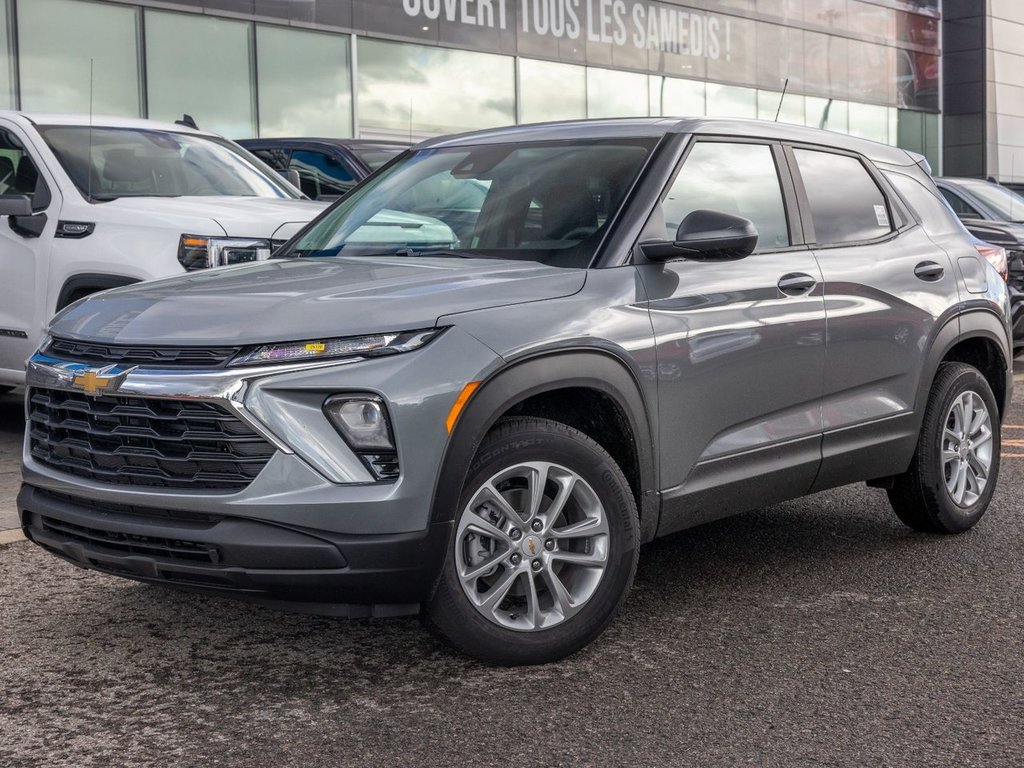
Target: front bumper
pixel 286 567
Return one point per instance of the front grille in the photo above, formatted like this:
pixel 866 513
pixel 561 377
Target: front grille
pixel 144 441
pixel 132 544
pixel 153 357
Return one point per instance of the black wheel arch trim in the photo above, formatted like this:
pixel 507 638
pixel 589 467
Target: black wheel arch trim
pixel 976 323
pixel 534 374
pixel 96 281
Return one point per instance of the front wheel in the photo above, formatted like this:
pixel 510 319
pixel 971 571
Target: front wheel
pixel 953 473
pixel 544 548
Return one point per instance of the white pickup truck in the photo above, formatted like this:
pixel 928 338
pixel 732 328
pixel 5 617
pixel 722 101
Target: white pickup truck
pixel 88 204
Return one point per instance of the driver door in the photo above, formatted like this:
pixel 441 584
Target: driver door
pixel 740 344
pixel 25 243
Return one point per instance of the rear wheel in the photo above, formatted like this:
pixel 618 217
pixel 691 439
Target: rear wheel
pixel 953 473
pixel 544 548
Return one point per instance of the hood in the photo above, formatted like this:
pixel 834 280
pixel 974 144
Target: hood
pixel 237 216
pixel 296 299
pixel 1005 233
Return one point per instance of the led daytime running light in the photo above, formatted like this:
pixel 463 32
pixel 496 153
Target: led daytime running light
pixel 353 346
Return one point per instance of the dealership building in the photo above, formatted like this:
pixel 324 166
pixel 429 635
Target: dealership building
pixel 414 68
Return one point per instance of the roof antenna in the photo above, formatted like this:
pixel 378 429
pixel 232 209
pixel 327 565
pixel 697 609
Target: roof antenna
pixel 410 121
pixel 88 159
pixel 188 121
pixel 782 98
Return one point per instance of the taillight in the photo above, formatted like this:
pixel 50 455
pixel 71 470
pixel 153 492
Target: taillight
pixel 995 256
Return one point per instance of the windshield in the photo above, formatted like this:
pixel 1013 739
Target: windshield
pixel 107 163
pixel 549 202
pixel 375 155
pixel 1005 202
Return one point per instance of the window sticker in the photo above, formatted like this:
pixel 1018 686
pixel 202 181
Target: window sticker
pixel 881 216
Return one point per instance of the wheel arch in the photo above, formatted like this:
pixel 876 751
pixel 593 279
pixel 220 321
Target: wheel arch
pixel 91 282
pixel 977 338
pixel 562 385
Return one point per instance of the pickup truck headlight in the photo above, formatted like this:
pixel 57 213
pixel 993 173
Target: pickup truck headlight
pixel 201 252
pixel 376 345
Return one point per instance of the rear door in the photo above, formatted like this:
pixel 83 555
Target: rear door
pixel 740 344
pixel 887 289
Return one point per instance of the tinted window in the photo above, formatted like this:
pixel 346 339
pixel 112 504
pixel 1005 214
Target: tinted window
pixel 959 205
pixel 1007 204
pixel 274 157
pixel 377 155
pixel 930 208
pixel 740 179
pixel 846 204
pixel 321 174
pixel 18 174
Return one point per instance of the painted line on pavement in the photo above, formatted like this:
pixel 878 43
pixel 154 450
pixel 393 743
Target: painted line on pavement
pixel 11 536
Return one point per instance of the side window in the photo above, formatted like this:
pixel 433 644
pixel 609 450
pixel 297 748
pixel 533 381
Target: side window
pixel 18 172
pixel 321 174
pixel 275 157
pixel 846 204
pixel 740 179
pixel 959 205
pixel 934 214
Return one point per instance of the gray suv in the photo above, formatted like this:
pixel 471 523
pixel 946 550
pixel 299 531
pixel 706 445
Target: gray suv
pixel 481 381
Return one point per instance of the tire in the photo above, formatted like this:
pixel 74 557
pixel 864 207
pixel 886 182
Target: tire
pixel 928 497
pixel 576 542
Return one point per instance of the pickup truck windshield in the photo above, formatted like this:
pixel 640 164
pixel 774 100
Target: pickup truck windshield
pixel 108 163
pixel 550 202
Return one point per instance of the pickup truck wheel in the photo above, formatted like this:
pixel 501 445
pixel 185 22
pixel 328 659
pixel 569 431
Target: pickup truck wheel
pixel 544 547
pixel 953 473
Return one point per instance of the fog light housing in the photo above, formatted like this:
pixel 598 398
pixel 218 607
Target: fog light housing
pixel 362 421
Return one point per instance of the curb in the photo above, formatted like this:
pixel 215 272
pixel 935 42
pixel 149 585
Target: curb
pixel 11 536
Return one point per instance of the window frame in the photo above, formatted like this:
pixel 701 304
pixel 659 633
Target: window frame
pixel 899 219
pixel 790 199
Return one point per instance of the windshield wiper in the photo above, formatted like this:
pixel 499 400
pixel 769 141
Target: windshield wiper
pixel 447 252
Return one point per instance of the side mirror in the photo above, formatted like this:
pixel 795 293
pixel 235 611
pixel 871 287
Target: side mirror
pixel 293 177
pixel 15 205
pixel 706 236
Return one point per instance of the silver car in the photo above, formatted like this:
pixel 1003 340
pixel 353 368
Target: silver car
pixel 480 382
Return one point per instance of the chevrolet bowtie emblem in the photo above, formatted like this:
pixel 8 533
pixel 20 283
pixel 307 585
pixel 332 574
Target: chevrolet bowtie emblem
pixel 96 382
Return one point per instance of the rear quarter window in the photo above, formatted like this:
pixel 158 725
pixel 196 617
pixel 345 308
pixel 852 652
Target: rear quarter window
pixel 846 204
pixel 932 210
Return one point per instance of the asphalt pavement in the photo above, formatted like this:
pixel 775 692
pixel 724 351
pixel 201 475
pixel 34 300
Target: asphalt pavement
pixel 816 632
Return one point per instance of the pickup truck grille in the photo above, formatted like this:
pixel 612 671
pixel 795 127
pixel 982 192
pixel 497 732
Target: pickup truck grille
pixel 144 441
pixel 153 357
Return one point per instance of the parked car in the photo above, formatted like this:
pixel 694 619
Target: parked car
pixel 994 214
pixel 647 325
pixel 327 168
pixel 93 203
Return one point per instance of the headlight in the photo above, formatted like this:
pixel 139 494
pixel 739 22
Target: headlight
pixel 352 346
pixel 200 252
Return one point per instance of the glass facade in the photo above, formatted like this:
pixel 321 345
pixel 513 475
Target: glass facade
pixel 55 57
pixel 201 66
pixel 415 68
pixel 308 95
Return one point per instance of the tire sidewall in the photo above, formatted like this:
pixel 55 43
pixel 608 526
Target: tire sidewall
pixel 951 516
pixel 452 611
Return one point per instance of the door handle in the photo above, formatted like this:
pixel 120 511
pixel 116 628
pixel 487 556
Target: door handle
pixel 929 271
pixel 796 284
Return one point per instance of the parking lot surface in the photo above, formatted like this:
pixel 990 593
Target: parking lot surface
pixel 817 632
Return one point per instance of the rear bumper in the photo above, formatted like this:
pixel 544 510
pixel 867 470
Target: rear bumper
pixel 287 567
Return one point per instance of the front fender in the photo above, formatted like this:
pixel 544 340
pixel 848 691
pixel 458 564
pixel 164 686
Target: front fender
pixel 547 372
